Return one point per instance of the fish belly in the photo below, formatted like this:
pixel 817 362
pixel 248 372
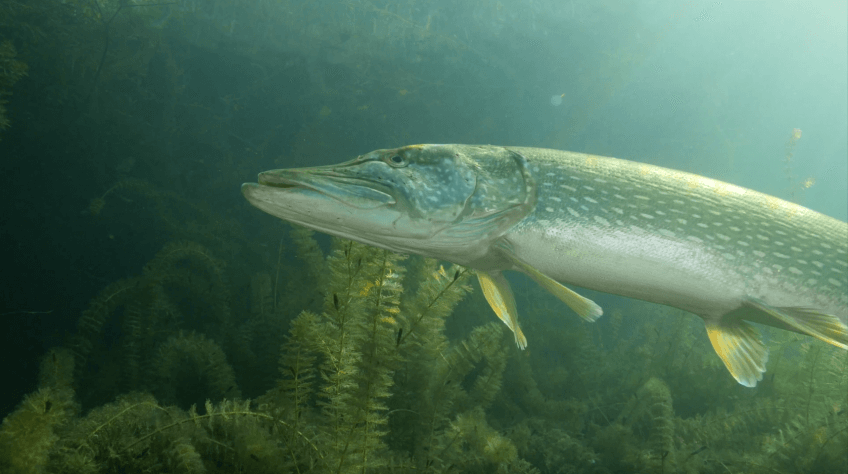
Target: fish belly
pixel 637 265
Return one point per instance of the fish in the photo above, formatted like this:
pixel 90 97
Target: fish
pixel 727 254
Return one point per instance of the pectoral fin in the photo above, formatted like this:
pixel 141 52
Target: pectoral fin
pixel 584 307
pixel 499 295
pixel 739 346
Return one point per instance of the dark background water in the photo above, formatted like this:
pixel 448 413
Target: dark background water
pixel 195 98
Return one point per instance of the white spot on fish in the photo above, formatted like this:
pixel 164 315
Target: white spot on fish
pixel 817 252
pixel 601 220
pixel 696 216
pixel 827 246
pixel 780 232
pixel 780 244
pixel 701 224
pixel 694 239
pixel 554 198
pixel 590 199
pixel 715 212
pixel 568 187
pixel 600 180
pixel 575 177
pixel 834 282
pixel 549 209
pixel 573 212
pixel 759 254
pixel 617 210
pixel 722 237
pixel 647 216
pixel 812 281
pixel 667 233
pixel 728 256
pixel 818 264
pixel 644 198
pixel 735 229
pixel 619 196
pixel 795 271
pixel 678 201
pixel 682 221
pixel 779 255
pixel 547 184
pixel 742 243
pixel 589 188
pixel 796 249
pixel 762 237
pixel 660 213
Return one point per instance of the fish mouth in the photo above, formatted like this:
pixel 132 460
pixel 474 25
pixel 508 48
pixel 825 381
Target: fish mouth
pixel 358 192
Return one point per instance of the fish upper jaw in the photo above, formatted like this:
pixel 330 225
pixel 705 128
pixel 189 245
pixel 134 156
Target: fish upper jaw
pixel 356 192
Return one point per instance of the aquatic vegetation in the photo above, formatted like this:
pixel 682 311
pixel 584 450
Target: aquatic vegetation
pixel 370 380
pixel 11 70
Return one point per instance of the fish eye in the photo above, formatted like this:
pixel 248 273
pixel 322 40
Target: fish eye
pixel 396 161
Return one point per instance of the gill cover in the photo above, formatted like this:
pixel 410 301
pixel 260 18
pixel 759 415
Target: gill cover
pixel 504 191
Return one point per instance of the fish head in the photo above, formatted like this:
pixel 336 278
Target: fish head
pixel 443 201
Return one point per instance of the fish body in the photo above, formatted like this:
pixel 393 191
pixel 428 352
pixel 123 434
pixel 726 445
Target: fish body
pixel 678 239
pixel 722 252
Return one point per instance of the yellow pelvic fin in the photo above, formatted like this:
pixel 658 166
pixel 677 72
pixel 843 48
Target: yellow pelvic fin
pixel 584 307
pixel 812 322
pixel 739 346
pixel 499 295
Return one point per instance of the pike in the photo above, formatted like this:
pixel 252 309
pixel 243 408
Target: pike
pixel 727 254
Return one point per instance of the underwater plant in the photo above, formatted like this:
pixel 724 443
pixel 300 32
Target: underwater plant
pixel 11 70
pixel 374 358
pixel 371 380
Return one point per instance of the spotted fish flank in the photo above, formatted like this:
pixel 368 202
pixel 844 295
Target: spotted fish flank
pixel 725 253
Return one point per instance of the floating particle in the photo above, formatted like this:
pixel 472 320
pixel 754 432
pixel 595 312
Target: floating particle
pixel 556 100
